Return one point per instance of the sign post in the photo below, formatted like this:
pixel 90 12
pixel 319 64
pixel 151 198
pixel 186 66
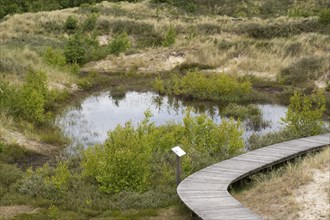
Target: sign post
pixel 179 153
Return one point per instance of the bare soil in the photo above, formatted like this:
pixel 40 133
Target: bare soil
pixel 8 212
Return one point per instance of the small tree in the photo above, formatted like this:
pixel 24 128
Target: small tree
pixel 75 49
pixel 169 39
pixel 71 23
pixel 304 116
pixel 32 97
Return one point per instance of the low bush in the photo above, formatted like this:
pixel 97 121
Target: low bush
pixel 250 113
pixel 241 111
pixel 71 24
pixel 54 57
pixel 261 31
pixel 90 23
pixel 208 87
pixel 119 44
pixel 9 174
pixel 30 101
pixel 305 69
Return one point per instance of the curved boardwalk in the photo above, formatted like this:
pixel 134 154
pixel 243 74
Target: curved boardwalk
pixel 206 191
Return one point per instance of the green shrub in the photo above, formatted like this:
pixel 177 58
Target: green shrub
pixel 241 111
pixel 61 177
pixel 71 23
pixel 208 87
pixel 36 184
pixel 122 162
pixel 250 113
pixel 119 44
pixel 90 23
pixel 32 97
pixel 169 39
pixel 324 16
pixel 305 113
pixel 54 57
pixel 159 86
pixel 75 49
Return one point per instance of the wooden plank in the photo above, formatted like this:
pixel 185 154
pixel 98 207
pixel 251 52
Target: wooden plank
pixel 205 192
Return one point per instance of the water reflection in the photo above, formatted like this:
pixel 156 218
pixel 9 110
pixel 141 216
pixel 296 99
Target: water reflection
pixel 88 123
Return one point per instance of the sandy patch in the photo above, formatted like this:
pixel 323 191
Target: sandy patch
pixel 313 198
pixel 8 212
pixel 153 61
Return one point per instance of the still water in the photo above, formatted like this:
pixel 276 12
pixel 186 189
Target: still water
pixel 88 123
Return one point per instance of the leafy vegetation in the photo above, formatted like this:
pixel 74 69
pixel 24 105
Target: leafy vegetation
pixel 169 37
pixel 304 118
pixel 206 87
pixel 119 44
pixel 286 41
pixel 305 113
pixel 127 158
pixel 251 113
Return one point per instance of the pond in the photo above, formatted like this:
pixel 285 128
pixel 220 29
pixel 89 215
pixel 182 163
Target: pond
pixel 88 123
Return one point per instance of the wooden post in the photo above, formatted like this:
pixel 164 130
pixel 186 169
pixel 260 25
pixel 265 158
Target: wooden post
pixel 178 170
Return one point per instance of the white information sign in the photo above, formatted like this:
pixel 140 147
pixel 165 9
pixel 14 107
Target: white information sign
pixel 178 151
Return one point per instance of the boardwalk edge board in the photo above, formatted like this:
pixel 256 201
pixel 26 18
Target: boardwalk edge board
pixel 209 199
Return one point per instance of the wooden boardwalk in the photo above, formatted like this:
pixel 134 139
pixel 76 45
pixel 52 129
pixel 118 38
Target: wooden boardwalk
pixel 206 191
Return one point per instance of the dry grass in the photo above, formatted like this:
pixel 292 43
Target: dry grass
pixel 273 195
pixel 216 41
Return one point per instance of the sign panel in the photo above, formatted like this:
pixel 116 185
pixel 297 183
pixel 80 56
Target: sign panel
pixel 178 151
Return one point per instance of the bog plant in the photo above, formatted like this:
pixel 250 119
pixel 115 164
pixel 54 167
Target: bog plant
pixel 202 86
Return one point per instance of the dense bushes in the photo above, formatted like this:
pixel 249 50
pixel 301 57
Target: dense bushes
pixel 126 160
pixel 28 101
pixel 206 87
pixel 304 116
